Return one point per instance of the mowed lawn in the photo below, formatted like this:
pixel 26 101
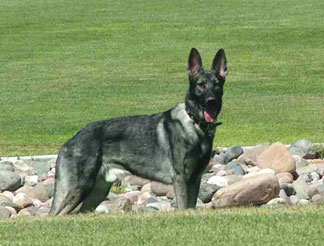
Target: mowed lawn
pixel 239 226
pixel 64 64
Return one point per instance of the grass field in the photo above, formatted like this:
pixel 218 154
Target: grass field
pixel 240 226
pixel 64 64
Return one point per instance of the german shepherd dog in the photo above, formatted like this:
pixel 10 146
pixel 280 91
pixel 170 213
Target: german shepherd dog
pixel 173 147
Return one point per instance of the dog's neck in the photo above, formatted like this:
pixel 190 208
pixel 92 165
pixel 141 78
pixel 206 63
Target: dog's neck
pixel 193 113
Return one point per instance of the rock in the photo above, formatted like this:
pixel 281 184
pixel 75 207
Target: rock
pixel 276 201
pixel 318 199
pixel 41 167
pixel 232 153
pixel 254 190
pixel 301 187
pixel 161 206
pixel 277 158
pixel 51 173
pixel 23 168
pixel 307 170
pixel 8 194
pixel 250 156
pixel 124 205
pixel 301 148
pixel 38 191
pixel 300 162
pixel 7 166
pixel 4 213
pixel 49 184
pixel 28 211
pixel 4 200
pixel 102 208
pixel 206 190
pixel 260 172
pixel 316 161
pixel 136 181
pixel 218 181
pixel 294 199
pixel 12 211
pixel 231 179
pixel 132 196
pixel 146 188
pixel 9 181
pixel 170 195
pixel 22 200
pixel 160 189
pixel 316 151
pixel 31 180
pixel 235 167
pixel 284 179
pixel 314 176
pixel 303 202
pixel 283 195
pixel 143 198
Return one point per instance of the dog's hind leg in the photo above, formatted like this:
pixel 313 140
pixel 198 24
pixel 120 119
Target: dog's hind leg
pixel 97 195
pixel 75 178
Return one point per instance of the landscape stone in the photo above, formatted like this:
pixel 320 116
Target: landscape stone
pixel 28 211
pixel 23 168
pixel 4 213
pixel 41 167
pixel 220 181
pixel 232 153
pixel 7 166
pixel 49 184
pixel 160 189
pixel 132 196
pixel 301 148
pixel 318 199
pixel 254 190
pixel 249 157
pixel 9 181
pixel 301 187
pixel 284 179
pixel 161 206
pixel 236 168
pixel 31 180
pixel 38 191
pixel 300 162
pixel 277 158
pixel 22 200
pixel 136 180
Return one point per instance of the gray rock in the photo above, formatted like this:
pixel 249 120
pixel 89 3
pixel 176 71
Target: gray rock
pixel 300 148
pixel 206 190
pixel 232 153
pixel 161 206
pixel 318 199
pixel 289 189
pixel 41 167
pixel 300 162
pixel 301 187
pixel 160 189
pixel 236 168
pixel 9 181
pixel 23 168
pixel 4 213
pixel 7 166
pixel 250 156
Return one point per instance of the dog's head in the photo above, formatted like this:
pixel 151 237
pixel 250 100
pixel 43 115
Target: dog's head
pixel 204 97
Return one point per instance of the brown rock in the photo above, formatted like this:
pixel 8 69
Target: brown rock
pixel 278 158
pixel 132 196
pixel 146 188
pixel 38 191
pixel 160 189
pixel 22 200
pixel 254 190
pixel 250 156
pixel 135 180
pixel 284 179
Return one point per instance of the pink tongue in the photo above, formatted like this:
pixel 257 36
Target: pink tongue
pixel 208 117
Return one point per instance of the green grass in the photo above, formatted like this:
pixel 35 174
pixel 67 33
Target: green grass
pixel 64 64
pixel 239 226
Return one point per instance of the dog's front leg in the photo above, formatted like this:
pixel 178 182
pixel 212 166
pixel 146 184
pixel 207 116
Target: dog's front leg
pixel 193 190
pixel 181 191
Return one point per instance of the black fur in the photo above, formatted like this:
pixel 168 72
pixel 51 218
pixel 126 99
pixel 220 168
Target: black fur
pixel 173 147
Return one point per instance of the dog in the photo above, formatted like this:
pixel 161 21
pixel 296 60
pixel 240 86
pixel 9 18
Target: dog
pixel 173 147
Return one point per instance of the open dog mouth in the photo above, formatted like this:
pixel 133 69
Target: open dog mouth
pixel 210 114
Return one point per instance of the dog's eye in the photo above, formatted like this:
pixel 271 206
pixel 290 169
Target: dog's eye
pixel 201 85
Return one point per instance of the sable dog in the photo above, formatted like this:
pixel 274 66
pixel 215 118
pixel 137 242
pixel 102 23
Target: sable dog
pixel 173 147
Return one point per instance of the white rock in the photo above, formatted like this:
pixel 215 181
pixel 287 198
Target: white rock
pixel 218 180
pixel 31 180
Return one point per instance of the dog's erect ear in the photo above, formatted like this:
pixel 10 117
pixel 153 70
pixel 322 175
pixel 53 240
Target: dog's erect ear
pixel 220 64
pixel 194 63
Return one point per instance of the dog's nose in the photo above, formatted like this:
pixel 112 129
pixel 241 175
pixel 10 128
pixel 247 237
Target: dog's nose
pixel 211 103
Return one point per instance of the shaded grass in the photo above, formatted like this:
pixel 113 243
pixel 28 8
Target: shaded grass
pixel 238 226
pixel 65 64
